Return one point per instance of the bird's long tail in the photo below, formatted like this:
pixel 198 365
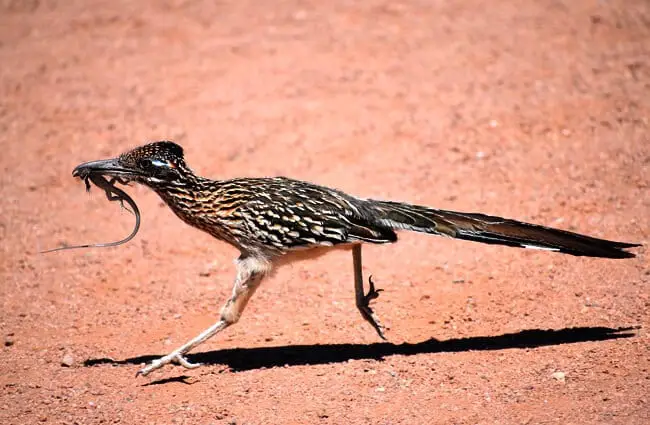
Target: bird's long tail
pixel 495 230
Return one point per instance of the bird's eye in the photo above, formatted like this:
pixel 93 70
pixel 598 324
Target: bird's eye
pixel 145 163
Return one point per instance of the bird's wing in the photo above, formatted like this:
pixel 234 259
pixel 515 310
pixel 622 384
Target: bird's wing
pixel 290 214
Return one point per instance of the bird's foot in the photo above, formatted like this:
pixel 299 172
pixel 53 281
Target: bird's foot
pixel 173 357
pixel 368 313
pixel 372 292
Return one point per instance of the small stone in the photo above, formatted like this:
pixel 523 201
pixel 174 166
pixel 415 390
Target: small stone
pixel 380 389
pixel 9 341
pixel 67 360
pixel 322 414
pixel 559 376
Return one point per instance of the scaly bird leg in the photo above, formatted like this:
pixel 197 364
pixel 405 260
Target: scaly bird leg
pixel 363 300
pixel 250 271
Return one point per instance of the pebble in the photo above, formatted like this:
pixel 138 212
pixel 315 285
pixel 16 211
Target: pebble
pixel 9 340
pixel 559 376
pixel 67 360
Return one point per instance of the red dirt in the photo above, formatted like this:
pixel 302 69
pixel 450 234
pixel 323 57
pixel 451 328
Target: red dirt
pixel 531 110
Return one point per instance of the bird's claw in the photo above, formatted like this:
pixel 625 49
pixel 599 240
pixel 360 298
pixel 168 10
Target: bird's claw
pixel 179 359
pixel 175 357
pixel 367 312
pixel 372 292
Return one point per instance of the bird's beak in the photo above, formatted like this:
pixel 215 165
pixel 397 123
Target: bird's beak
pixel 106 167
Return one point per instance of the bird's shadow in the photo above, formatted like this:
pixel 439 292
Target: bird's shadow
pixel 241 359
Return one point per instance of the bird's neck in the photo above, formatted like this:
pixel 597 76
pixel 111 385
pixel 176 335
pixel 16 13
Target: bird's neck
pixel 198 201
pixel 182 193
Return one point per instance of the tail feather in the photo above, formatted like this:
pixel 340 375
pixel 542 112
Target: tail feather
pixel 496 230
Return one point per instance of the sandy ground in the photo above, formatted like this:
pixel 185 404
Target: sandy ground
pixel 532 110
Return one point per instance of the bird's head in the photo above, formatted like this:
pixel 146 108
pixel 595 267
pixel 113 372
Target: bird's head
pixel 155 164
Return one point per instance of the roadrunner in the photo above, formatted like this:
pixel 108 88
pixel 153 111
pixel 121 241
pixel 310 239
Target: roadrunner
pixel 274 220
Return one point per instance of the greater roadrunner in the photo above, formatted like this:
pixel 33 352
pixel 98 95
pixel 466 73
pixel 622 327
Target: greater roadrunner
pixel 275 220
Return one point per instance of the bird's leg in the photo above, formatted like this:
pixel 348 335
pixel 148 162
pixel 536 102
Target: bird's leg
pixel 250 272
pixel 363 300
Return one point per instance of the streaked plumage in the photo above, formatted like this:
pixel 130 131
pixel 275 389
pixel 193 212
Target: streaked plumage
pixel 270 218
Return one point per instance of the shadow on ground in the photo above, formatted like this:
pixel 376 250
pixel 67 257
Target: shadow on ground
pixel 240 359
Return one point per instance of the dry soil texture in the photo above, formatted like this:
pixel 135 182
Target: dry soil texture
pixel 536 110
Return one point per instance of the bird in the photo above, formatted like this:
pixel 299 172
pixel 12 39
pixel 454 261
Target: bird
pixel 276 220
